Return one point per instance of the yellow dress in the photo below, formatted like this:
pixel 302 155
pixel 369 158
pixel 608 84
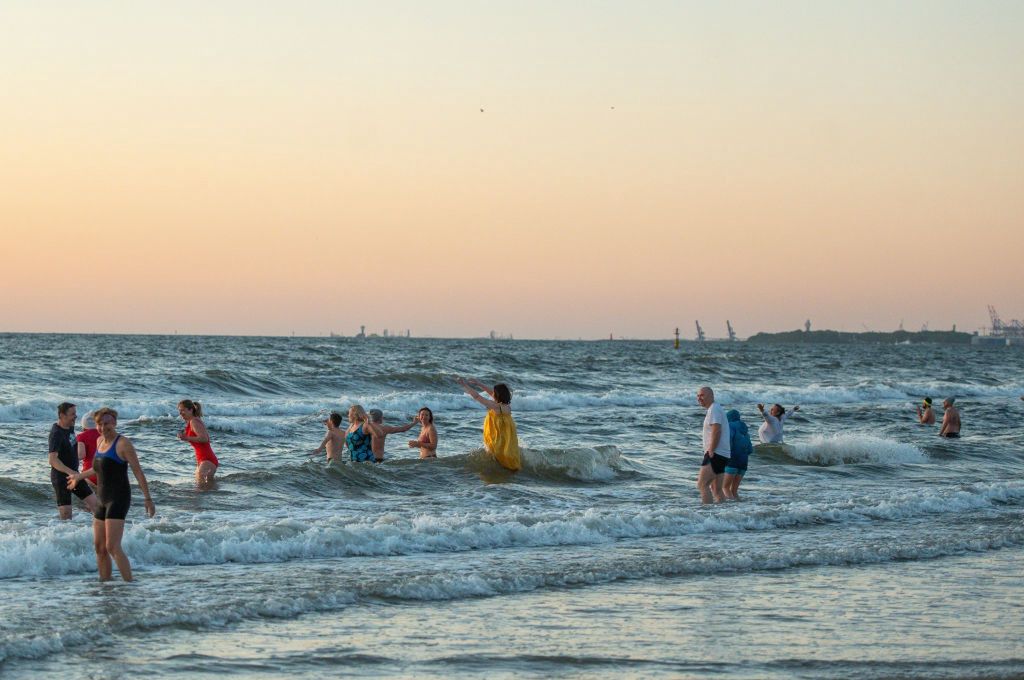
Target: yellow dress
pixel 501 439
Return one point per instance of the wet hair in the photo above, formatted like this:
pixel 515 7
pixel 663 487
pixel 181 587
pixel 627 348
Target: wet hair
pixel 89 418
pixel 430 414
pixel 782 409
pixel 502 394
pixel 376 415
pixel 335 419
pixel 63 407
pixel 105 411
pixel 360 413
pixel 194 406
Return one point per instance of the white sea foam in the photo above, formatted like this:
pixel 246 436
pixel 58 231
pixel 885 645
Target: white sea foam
pixel 852 447
pixel 586 464
pixel 61 548
pixel 403 403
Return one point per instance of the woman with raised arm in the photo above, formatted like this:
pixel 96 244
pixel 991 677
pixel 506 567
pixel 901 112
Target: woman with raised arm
pixel 114 455
pixel 196 434
pixel 500 436
pixel 427 441
pixel 770 431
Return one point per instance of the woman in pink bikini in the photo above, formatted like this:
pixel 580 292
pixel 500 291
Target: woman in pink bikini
pixel 195 433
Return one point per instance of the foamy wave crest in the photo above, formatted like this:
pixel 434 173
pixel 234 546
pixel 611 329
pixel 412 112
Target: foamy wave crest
pixel 62 548
pixel 600 463
pixel 849 447
pixel 303 592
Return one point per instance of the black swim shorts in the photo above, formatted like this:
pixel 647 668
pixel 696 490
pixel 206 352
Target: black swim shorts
pixel 60 487
pixel 716 462
pixel 114 509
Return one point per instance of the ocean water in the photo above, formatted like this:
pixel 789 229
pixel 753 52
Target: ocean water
pixel 870 548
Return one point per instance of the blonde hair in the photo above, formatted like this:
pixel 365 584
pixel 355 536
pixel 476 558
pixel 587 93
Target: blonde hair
pixel 105 411
pixel 87 418
pixel 360 413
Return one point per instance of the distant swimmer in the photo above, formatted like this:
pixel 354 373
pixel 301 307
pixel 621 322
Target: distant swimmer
pixel 770 431
pixel 715 439
pixel 380 432
pixel 925 412
pixel 196 434
pixel 63 458
pixel 427 441
pixel 950 419
pixel 359 435
pixel 114 455
pixel 334 441
pixel 740 449
pixel 87 445
pixel 500 436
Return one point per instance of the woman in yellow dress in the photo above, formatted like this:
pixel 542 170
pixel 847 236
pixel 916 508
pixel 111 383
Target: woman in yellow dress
pixel 500 435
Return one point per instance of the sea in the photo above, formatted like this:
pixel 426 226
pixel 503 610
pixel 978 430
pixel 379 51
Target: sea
pixel 868 547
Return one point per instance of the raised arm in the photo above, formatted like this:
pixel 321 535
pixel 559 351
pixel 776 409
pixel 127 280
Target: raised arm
pixel 483 401
pixel 126 451
pixel 392 429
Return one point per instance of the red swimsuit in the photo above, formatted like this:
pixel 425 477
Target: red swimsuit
pixel 203 450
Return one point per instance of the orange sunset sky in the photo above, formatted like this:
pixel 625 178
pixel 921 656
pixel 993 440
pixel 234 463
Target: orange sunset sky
pixel 271 167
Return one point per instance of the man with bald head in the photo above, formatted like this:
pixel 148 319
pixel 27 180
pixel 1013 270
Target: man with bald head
pixel 716 448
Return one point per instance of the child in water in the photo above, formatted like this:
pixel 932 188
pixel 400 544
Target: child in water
pixel 500 435
pixel 334 441
pixel 740 448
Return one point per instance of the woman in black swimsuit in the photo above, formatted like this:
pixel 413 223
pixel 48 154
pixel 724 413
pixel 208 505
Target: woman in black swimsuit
pixel 114 455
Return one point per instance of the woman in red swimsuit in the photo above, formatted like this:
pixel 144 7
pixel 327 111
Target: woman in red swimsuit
pixel 195 434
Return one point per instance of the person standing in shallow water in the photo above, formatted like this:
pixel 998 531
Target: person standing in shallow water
pixel 334 440
pixel 500 437
pixel 740 449
pixel 63 459
pixel 427 441
pixel 770 431
pixel 196 434
pixel 950 419
pixel 114 455
pixel 380 432
pixel 715 438
pixel 925 412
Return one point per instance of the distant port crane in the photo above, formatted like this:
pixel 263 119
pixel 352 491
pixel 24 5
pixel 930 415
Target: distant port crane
pixel 732 333
pixel 700 332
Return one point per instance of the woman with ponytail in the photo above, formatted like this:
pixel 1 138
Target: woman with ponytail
pixel 195 433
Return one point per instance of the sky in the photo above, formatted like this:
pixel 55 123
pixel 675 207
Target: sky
pixel 541 169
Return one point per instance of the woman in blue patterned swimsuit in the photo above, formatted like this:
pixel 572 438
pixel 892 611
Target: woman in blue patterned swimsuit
pixel 359 436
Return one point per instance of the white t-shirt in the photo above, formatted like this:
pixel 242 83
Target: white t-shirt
pixel 770 431
pixel 716 415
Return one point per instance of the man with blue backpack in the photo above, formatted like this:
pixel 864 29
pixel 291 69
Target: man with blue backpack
pixel 739 442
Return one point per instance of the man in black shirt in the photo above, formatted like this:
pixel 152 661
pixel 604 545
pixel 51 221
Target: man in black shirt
pixel 64 462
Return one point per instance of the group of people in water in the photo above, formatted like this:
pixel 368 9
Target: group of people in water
pixel 727 445
pixel 105 457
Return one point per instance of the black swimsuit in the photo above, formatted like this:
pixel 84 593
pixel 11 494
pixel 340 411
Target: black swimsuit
pixel 113 489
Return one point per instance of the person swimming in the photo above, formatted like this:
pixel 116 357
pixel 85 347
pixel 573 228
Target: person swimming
pixel 500 437
pixel 427 441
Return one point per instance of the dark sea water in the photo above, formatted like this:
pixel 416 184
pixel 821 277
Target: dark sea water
pixel 868 548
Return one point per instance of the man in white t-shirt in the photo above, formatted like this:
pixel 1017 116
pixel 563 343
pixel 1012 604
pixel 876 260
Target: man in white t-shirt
pixel 716 448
